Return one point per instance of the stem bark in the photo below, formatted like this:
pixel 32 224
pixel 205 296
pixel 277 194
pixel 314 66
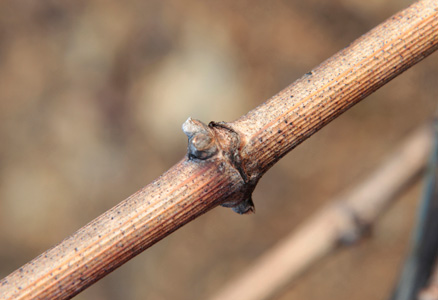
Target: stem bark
pixel 264 135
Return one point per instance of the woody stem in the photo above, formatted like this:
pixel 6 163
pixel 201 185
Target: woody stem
pixel 266 134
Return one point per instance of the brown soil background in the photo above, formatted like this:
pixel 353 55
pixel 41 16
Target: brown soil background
pixel 92 97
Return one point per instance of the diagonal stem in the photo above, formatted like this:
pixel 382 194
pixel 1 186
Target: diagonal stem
pixel 195 185
pixel 343 221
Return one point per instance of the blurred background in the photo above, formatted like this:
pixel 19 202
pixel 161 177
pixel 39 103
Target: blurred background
pixel 92 98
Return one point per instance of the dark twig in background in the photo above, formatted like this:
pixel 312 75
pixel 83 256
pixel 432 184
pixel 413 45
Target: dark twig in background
pixel 419 265
pixel 238 154
pixel 342 222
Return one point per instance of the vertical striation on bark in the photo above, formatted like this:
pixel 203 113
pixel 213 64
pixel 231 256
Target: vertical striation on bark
pixel 245 149
pixel 277 126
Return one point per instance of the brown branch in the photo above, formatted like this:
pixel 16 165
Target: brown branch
pixel 343 220
pixel 225 161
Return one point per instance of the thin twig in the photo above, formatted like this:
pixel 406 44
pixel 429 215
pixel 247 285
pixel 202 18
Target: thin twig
pixel 423 255
pixel 226 160
pixel 343 220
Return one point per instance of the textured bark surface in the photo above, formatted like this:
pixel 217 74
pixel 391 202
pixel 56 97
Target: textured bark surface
pixel 343 221
pixel 280 124
pixel 263 136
